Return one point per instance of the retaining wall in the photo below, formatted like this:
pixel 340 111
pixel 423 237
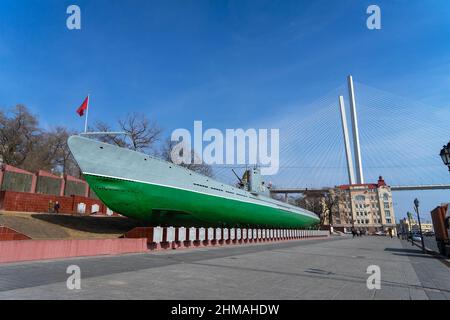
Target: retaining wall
pixel 15 251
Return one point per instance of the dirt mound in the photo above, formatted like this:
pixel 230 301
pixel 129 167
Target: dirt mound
pixel 60 226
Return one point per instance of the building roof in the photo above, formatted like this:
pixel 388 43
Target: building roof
pixel 366 185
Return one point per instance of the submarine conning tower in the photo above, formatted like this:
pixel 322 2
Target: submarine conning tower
pixel 256 184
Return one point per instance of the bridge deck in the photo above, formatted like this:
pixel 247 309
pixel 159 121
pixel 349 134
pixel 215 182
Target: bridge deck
pixel 393 188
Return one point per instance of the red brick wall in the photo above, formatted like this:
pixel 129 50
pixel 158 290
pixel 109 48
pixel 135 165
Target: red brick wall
pixel 34 202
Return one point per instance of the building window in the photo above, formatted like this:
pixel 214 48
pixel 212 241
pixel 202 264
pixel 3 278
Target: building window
pixel 387 213
pixel 360 198
pixel 388 220
pixel 386 205
pixel 385 196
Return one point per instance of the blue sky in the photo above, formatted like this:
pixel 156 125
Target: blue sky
pixel 227 63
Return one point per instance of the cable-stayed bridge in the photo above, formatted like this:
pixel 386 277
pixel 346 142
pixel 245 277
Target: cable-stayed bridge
pixel 400 139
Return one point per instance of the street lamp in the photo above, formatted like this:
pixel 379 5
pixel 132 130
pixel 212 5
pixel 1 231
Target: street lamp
pixel 416 208
pixel 410 228
pixel 445 155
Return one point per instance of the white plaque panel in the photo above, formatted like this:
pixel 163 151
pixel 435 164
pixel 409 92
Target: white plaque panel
pixel 210 233
pixel 232 233
pixel 181 234
pixel 170 232
pixel 192 234
pixel 225 234
pixel 218 233
pixel 157 234
pixel 201 234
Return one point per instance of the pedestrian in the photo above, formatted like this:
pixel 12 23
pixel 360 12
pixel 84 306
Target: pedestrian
pixel 353 232
pixel 390 232
pixel 50 206
pixel 56 207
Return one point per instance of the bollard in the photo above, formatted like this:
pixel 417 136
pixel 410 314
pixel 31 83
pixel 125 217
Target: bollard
pixel 155 238
pixel 180 237
pixel 250 235
pixel 168 237
pixel 217 236
pixel 233 236
pixel 209 236
pixel 200 237
pixel 190 235
pixel 225 236
pixel 239 235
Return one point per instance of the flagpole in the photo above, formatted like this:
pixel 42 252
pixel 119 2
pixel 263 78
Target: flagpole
pixel 87 113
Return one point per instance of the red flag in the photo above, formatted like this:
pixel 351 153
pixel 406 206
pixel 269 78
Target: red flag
pixel 83 106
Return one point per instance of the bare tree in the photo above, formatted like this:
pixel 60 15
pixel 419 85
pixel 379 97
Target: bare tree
pixel 331 201
pixel 19 136
pixel 314 202
pixel 61 158
pixel 166 151
pixel 23 144
pixel 117 140
pixel 140 133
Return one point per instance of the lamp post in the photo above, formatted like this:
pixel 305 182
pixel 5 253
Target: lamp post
pixel 410 228
pixel 416 208
pixel 445 155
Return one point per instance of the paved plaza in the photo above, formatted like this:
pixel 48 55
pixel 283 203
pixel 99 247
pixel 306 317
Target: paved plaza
pixel 310 269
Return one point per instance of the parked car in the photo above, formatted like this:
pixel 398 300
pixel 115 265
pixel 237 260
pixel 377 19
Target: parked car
pixel 416 237
pixel 380 233
pixel 429 234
